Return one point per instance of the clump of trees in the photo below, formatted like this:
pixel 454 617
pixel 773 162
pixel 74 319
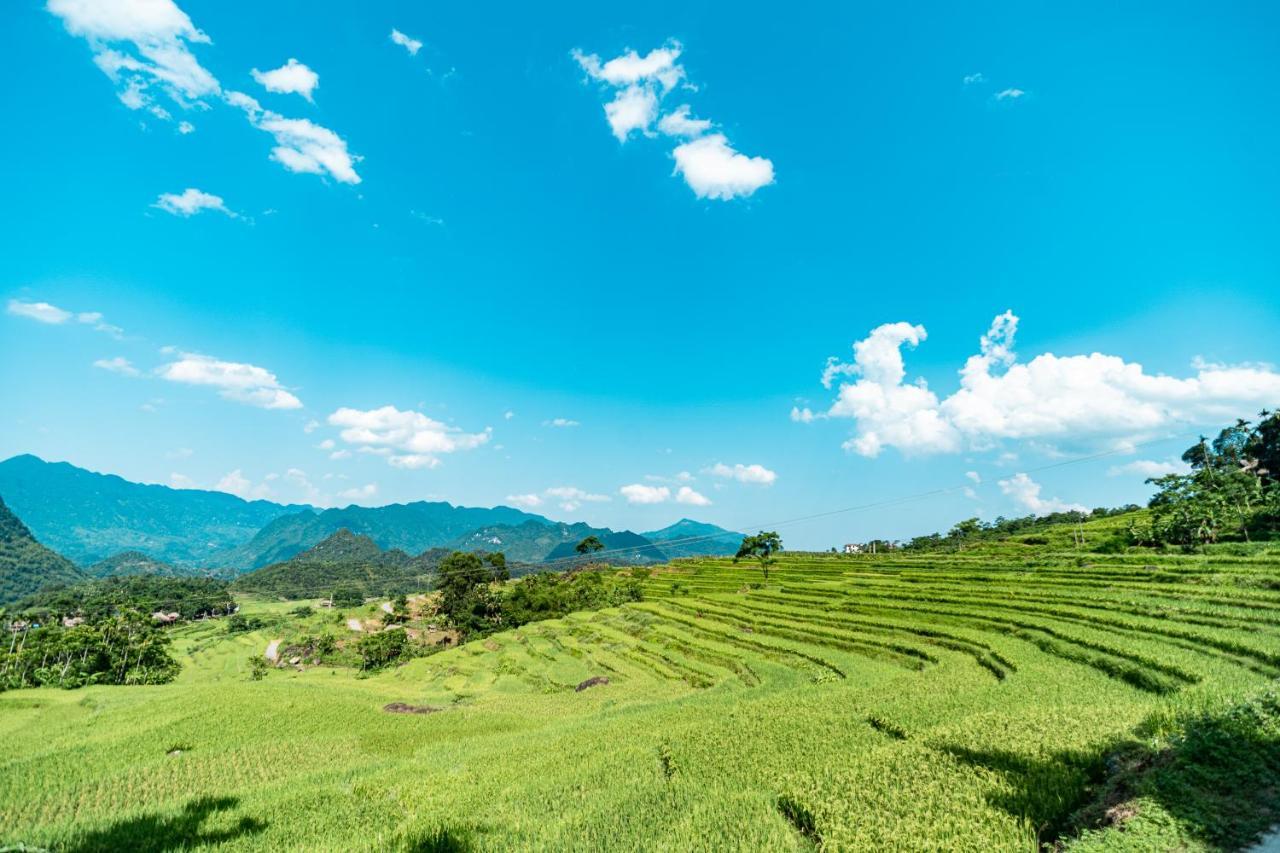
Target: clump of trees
pixel 124 648
pixel 1231 492
pixel 473 601
pixel 189 597
pixel 974 531
pixel 467 597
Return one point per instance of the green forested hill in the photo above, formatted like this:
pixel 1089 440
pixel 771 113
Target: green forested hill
pixel 135 563
pixel 25 564
pixel 689 538
pixel 412 527
pixel 89 516
pixel 344 559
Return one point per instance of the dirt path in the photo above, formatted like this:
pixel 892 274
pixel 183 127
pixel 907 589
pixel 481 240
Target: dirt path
pixel 273 651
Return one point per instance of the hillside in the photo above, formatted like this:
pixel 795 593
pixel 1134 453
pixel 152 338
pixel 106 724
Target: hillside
pixel 88 516
pixel 534 542
pixel 135 563
pixel 1019 695
pixel 621 548
pixel 412 527
pixel 25 564
pixel 343 559
pixel 709 539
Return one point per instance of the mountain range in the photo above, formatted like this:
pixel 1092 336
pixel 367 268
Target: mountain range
pixel 91 518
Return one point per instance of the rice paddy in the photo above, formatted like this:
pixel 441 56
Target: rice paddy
pixel 967 701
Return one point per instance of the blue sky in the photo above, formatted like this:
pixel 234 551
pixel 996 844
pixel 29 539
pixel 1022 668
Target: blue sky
pixel 504 260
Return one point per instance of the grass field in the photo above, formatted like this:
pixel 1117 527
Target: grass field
pixel 966 701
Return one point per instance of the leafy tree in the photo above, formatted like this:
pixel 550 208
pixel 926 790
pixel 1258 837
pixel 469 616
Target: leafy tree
pixel 589 546
pixel 465 597
pixel 761 548
pixel 964 530
pixel 383 648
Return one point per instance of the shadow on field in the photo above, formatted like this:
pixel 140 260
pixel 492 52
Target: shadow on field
pixel 158 832
pixel 1217 774
pixel 441 840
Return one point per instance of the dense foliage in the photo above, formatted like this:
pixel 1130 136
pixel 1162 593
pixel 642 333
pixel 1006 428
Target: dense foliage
pixel 127 648
pixel 1231 492
pixel 468 599
pixel 25 564
pixel 189 597
pixel 548 595
pixel 974 531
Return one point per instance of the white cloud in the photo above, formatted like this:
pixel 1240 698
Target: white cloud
pixel 311 426
pixel 236 483
pixel 757 474
pixel 638 493
pixel 142 45
pixel 571 497
pixel 145 44
pixel 360 493
pixel 119 364
pixel 1009 95
pixel 42 312
pixel 327 444
pixel 1026 492
pixel 181 481
pixel 708 163
pixel 561 423
pixel 243 383
pixel 528 501
pixel 633 108
pixel 419 440
pixel 974 476
pixel 185 127
pixel 680 123
pixel 687 495
pixel 301 145
pixel 339 455
pixel 712 169
pixel 1093 398
pixel 508 415
pixel 291 78
pixel 658 66
pixel 970 79
pixel 1149 468
pixel 410 44
pixel 803 416
pixel 190 202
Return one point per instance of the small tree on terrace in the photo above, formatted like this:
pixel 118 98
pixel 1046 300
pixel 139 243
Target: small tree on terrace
pixel 760 548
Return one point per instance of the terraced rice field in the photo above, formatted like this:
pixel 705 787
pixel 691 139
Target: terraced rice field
pixel 962 701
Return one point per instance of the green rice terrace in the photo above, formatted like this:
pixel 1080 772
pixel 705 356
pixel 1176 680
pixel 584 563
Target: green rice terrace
pixel 998 698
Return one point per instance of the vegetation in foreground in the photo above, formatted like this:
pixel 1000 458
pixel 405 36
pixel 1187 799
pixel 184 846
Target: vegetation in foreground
pixel 985 700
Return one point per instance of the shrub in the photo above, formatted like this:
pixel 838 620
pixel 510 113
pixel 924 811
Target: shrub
pixel 380 649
